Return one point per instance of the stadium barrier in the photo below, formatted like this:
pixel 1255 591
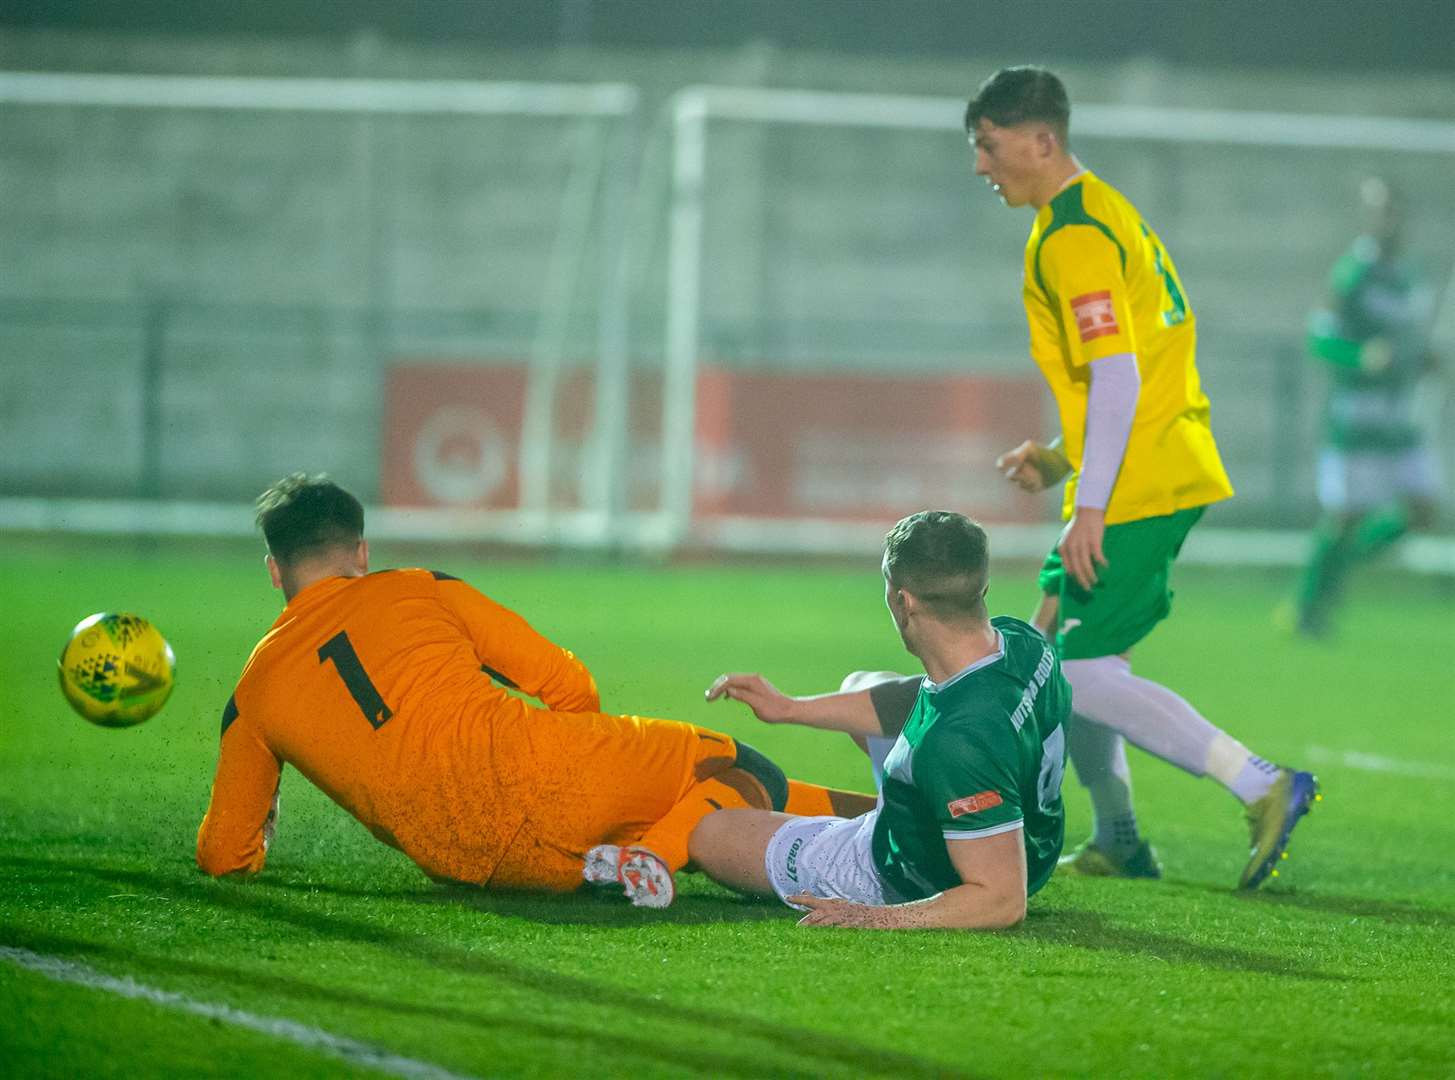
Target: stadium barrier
pixel 597 448
pixel 645 533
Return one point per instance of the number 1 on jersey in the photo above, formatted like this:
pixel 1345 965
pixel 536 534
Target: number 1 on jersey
pixel 361 688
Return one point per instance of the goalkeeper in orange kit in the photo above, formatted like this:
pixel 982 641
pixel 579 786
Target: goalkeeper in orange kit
pixel 386 691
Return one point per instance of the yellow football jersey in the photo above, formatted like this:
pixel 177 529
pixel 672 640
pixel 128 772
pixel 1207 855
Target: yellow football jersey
pixel 1098 283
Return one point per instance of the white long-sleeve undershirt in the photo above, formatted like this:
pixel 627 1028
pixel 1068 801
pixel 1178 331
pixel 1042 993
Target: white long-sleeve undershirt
pixel 1111 406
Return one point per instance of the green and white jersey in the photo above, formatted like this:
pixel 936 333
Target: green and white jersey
pixel 1382 299
pixel 981 753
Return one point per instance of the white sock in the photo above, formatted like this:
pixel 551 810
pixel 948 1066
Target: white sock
pixel 1100 757
pixel 1151 716
pixel 1162 723
pixel 1239 770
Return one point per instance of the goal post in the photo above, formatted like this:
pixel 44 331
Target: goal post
pixel 772 305
pixel 585 132
pixel 794 122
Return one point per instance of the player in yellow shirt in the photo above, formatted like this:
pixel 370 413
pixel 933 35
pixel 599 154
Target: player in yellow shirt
pixel 1114 335
pixel 386 691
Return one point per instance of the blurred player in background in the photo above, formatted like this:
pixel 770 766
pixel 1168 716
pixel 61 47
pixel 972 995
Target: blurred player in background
pixel 382 690
pixel 969 821
pixel 1377 477
pixel 1112 332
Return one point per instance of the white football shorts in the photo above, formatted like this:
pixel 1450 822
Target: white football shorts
pixel 1353 480
pixel 825 856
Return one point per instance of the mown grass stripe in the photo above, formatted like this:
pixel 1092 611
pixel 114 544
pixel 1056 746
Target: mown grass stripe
pixel 350 1050
pixel 1355 759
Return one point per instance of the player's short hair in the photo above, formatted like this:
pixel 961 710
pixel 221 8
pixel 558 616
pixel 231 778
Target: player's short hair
pixel 1021 95
pixel 302 516
pixel 942 559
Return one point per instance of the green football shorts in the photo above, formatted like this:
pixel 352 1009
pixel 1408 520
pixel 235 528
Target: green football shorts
pixel 1132 594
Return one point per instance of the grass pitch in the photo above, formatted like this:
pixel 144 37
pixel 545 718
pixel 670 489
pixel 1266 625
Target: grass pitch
pixel 1342 966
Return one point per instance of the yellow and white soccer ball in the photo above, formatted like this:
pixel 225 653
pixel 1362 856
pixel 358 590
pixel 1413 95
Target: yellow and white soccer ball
pixel 116 669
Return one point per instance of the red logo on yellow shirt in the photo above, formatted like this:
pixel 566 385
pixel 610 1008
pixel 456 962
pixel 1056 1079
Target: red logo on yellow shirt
pixel 1095 316
pixel 973 804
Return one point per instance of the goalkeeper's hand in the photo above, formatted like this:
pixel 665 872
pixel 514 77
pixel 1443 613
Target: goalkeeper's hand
pixel 270 823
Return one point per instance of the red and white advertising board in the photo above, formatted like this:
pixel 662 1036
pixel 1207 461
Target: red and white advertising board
pixel 789 446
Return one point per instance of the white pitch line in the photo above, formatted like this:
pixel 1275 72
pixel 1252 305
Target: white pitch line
pixel 1355 759
pixel 350 1050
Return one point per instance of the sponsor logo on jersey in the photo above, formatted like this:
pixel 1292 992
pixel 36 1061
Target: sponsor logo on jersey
pixel 1095 315
pixel 792 860
pixel 973 804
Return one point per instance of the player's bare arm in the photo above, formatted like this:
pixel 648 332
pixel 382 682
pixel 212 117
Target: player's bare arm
pixel 1045 616
pixel 1080 545
pixel 852 713
pixel 1034 467
pixel 992 896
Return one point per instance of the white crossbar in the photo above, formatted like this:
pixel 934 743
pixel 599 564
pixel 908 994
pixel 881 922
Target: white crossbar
pixel 1227 126
pixel 318 95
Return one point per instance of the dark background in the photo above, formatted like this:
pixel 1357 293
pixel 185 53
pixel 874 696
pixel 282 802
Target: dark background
pixel 1280 34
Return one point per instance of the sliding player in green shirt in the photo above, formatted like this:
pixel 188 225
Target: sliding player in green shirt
pixel 969 821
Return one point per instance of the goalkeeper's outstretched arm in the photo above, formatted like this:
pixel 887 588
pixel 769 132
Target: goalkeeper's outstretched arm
pixel 243 811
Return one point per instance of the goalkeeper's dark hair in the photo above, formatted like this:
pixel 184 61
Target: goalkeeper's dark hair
pixel 302 516
pixel 943 560
pixel 1021 95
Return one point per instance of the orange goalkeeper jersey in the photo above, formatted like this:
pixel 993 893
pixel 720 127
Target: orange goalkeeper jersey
pixel 379 690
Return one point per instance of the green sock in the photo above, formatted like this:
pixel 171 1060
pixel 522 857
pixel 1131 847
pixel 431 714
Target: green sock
pixel 1379 530
pixel 1323 574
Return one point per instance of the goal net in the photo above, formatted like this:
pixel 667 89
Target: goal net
pixel 845 334
pixel 211 282
pixel 775 323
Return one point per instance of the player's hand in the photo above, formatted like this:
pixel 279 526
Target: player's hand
pixel 1018 467
pixel 823 911
pixel 270 823
pixel 1080 545
pixel 1375 355
pixel 769 704
pixel 1032 467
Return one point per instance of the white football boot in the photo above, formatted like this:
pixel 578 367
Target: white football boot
pixel 642 874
